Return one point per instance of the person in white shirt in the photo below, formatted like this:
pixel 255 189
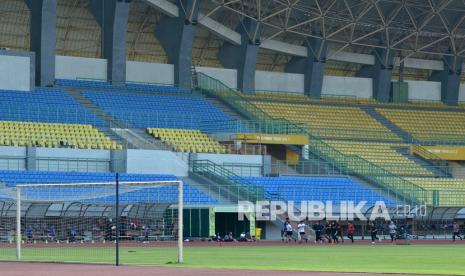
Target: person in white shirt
pixel 289 231
pixel 392 231
pixel 302 235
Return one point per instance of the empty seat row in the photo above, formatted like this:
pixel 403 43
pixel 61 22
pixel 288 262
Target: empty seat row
pixel 429 126
pixel 158 111
pixel 185 140
pixel 54 135
pixel 50 105
pixel 99 193
pixel 334 189
pixel 331 121
pixel 384 155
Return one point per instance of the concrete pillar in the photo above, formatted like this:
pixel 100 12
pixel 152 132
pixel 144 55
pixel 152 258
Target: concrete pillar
pixel 31 159
pixel 112 16
pixel 243 57
pixel 312 67
pixel 43 39
pixel 177 36
pixel 450 79
pixel 381 73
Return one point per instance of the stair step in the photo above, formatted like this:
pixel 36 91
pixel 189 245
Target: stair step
pixel 226 109
pixel 385 122
pixel 425 164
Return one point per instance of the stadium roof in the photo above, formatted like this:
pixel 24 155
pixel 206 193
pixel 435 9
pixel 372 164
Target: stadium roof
pixel 415 28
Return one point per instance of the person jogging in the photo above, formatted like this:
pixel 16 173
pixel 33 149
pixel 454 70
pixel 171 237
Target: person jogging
pixel 318 227
pixel 456 231
pixel 351 231
pixel 302 235
pixel 289 231
pixel 373 232
pixel 284 230
pixel 340 231
pixel 392 231
pixel 334 235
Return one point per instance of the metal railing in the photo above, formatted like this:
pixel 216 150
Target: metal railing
pixel 252 126
pixel 305 167
pixel 436 138
pixel 230 184
pixel 234 99
pixel 353 164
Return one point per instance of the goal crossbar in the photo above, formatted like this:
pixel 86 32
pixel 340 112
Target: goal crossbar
pixel 180 207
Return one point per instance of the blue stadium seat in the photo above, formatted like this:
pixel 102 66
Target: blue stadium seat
pixel 159 111
pixel 164 194
pixel 48 105
pixel 334 189
pixel 128 86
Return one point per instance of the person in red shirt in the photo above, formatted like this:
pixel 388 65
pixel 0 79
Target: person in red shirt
pixel 351 231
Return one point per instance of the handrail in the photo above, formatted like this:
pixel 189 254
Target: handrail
pixel 356 164
pixel 248 126
pixel 233 98
pixel 252 192
pixel 433 158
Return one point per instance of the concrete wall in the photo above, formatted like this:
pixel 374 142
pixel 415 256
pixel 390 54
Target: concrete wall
pixel 80 160
pixel 273 231
pixel 244 165
pixel 276 81
pixel 149 72
pixel 227 76
pixel 424 90
pixel 156 161
pixel 68 67
pixel 12 158
pixel 347 86
pixel 16 70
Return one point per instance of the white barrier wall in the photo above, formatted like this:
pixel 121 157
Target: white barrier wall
pixel 424 90
pixel 244 165
pixel 226 76
pixel 78 160
pixel 12 158
pixel 67 67
pixel 146 72
pixel 348 86
pixel 277 81
pixel 156 162
pixel 15 72
pixel 462 93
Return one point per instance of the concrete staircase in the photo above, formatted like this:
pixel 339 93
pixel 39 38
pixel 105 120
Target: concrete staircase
pixel 438 172
pixel 116 129
pixel 207 186
pixel 226 109
pixel 107 118
pixel 388 124
pixel 136 138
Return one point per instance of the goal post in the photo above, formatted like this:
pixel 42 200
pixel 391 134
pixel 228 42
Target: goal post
pixel 69 215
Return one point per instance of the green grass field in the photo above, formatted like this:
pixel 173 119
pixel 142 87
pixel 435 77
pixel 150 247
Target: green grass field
pixel 418 259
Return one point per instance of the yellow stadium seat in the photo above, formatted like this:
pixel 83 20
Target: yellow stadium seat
pixel 52 135
pixel 185 140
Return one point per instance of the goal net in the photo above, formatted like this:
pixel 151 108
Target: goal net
pixel 110 222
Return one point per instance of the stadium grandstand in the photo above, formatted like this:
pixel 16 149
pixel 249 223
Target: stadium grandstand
pixel 145 122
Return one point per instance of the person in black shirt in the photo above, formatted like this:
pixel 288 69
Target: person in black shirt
pixel 334 236
pixel 373 232
pixel 318 227
pixel 327 231
pixel 339 231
